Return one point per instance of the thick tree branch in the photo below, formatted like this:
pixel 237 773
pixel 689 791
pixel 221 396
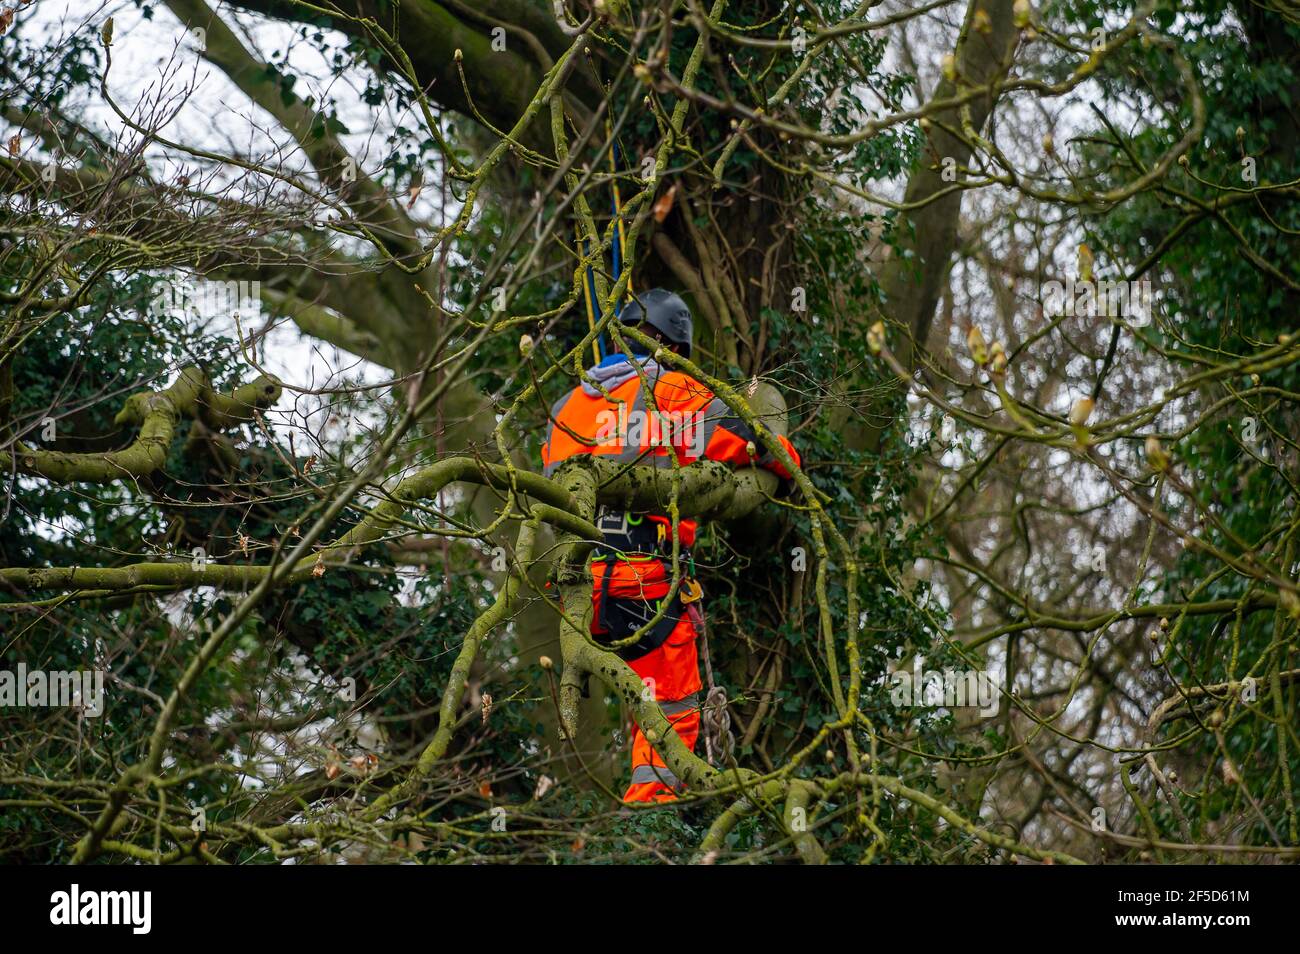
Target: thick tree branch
pixel 157 414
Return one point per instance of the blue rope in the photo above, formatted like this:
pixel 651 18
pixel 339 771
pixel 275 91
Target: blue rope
pixel 616 248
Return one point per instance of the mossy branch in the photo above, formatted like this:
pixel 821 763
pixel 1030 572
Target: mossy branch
pixel 156 413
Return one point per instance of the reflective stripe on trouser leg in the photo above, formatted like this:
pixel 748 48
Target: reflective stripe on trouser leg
pixel 652 780
pixel 681 705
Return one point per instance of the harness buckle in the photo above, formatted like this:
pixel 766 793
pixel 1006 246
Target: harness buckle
pixel 690 590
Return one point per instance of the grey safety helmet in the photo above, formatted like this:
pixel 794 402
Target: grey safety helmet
pixel 665 312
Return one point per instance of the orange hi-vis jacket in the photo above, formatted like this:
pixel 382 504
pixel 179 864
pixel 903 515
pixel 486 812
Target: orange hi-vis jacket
pixel 683 419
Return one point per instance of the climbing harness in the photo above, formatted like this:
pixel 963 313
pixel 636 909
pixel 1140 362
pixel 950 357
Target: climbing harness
pixel 633 538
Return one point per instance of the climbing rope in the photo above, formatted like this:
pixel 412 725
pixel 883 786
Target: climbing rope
pixel 590 298
pixel 715 720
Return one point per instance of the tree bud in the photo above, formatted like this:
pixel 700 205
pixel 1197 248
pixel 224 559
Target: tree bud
pixel 1157 458
pixel 976 344
pixel 876 337
pixel 1080 411
pixel 997 360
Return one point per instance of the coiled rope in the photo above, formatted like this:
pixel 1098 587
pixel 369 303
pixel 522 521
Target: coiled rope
pixel 715 720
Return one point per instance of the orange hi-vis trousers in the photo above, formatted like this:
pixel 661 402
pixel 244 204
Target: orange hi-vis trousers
pixel 672 672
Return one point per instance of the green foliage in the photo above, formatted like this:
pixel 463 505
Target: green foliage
pixel 1222 300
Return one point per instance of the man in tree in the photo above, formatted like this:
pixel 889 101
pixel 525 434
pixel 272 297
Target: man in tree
pixel 632 409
